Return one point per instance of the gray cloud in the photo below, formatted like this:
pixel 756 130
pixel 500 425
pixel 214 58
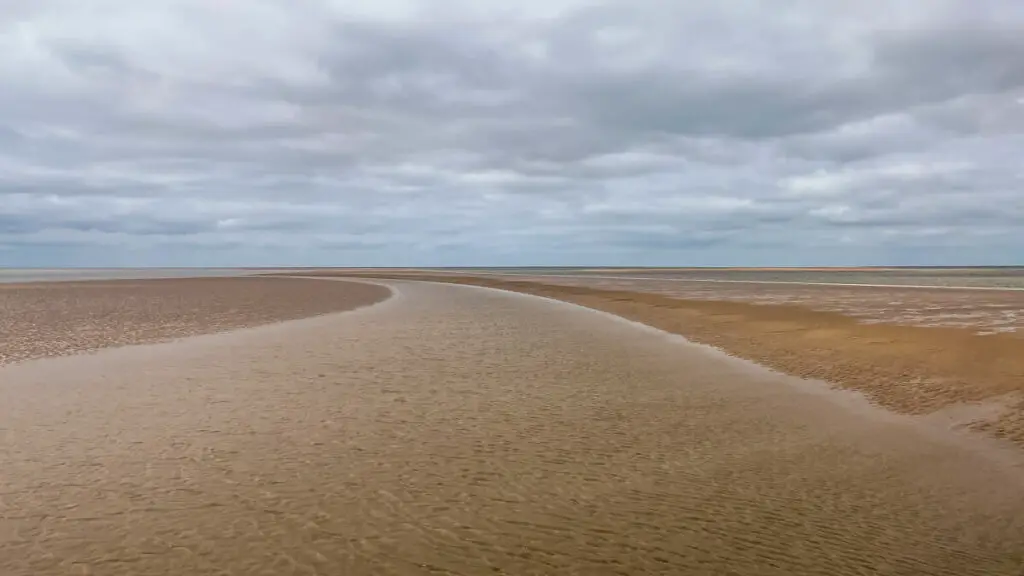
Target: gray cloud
pixel 407 133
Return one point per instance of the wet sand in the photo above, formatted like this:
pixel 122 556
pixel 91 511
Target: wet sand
pixel 975 277
pixel 971 375
pixel 457 430
pixel 60 318
pixel 986 310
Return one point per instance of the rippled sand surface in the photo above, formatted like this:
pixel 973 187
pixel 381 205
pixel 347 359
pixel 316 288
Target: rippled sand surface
pixel 456 430
pixel 988 311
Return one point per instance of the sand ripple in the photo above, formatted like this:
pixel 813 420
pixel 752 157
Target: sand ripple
pixel 454 430
pixel 989 311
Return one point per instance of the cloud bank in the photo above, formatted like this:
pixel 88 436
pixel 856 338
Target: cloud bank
pixel 624 132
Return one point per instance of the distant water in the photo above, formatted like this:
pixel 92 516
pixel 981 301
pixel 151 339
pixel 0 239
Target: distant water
pixel 70 274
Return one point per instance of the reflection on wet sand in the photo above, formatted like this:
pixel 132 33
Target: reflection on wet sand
pixel 455 430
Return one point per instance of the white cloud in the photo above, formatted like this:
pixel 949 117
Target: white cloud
pixel 457 132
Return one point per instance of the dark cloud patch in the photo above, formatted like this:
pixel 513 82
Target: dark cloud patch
pixel 958 58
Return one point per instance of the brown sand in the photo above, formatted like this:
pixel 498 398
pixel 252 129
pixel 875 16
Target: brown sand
pixel 909 369
pixel 747 269
pixel 53 319
pixel 454 430
pixel 985 311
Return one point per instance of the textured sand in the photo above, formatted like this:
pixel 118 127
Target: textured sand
pixel 455 430
pixel 984 311
pixel 920 370
pixel 1004 277
pixel 53 319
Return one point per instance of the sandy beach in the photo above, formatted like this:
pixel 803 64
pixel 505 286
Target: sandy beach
pixel 60 318
pixel 950 354
pixel 460 430
pixel 986 310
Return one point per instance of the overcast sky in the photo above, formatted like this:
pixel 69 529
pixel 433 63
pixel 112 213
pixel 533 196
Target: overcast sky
pixel 441 132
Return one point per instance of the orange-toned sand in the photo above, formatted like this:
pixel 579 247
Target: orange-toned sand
pixel 748 269
pixel 985 311
pixel 53 319
pixel 457 430
pixel 907 368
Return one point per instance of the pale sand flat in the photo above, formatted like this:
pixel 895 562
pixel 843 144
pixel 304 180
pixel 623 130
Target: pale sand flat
pixel 457 430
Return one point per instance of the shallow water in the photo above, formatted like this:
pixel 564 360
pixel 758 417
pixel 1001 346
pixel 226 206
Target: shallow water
pixel 456 430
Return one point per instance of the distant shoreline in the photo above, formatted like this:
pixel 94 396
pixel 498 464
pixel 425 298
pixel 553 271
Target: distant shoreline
pixel 37 275
pixel 966 277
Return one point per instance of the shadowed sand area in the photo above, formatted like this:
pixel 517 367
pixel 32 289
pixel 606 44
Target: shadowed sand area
pixel 460 430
